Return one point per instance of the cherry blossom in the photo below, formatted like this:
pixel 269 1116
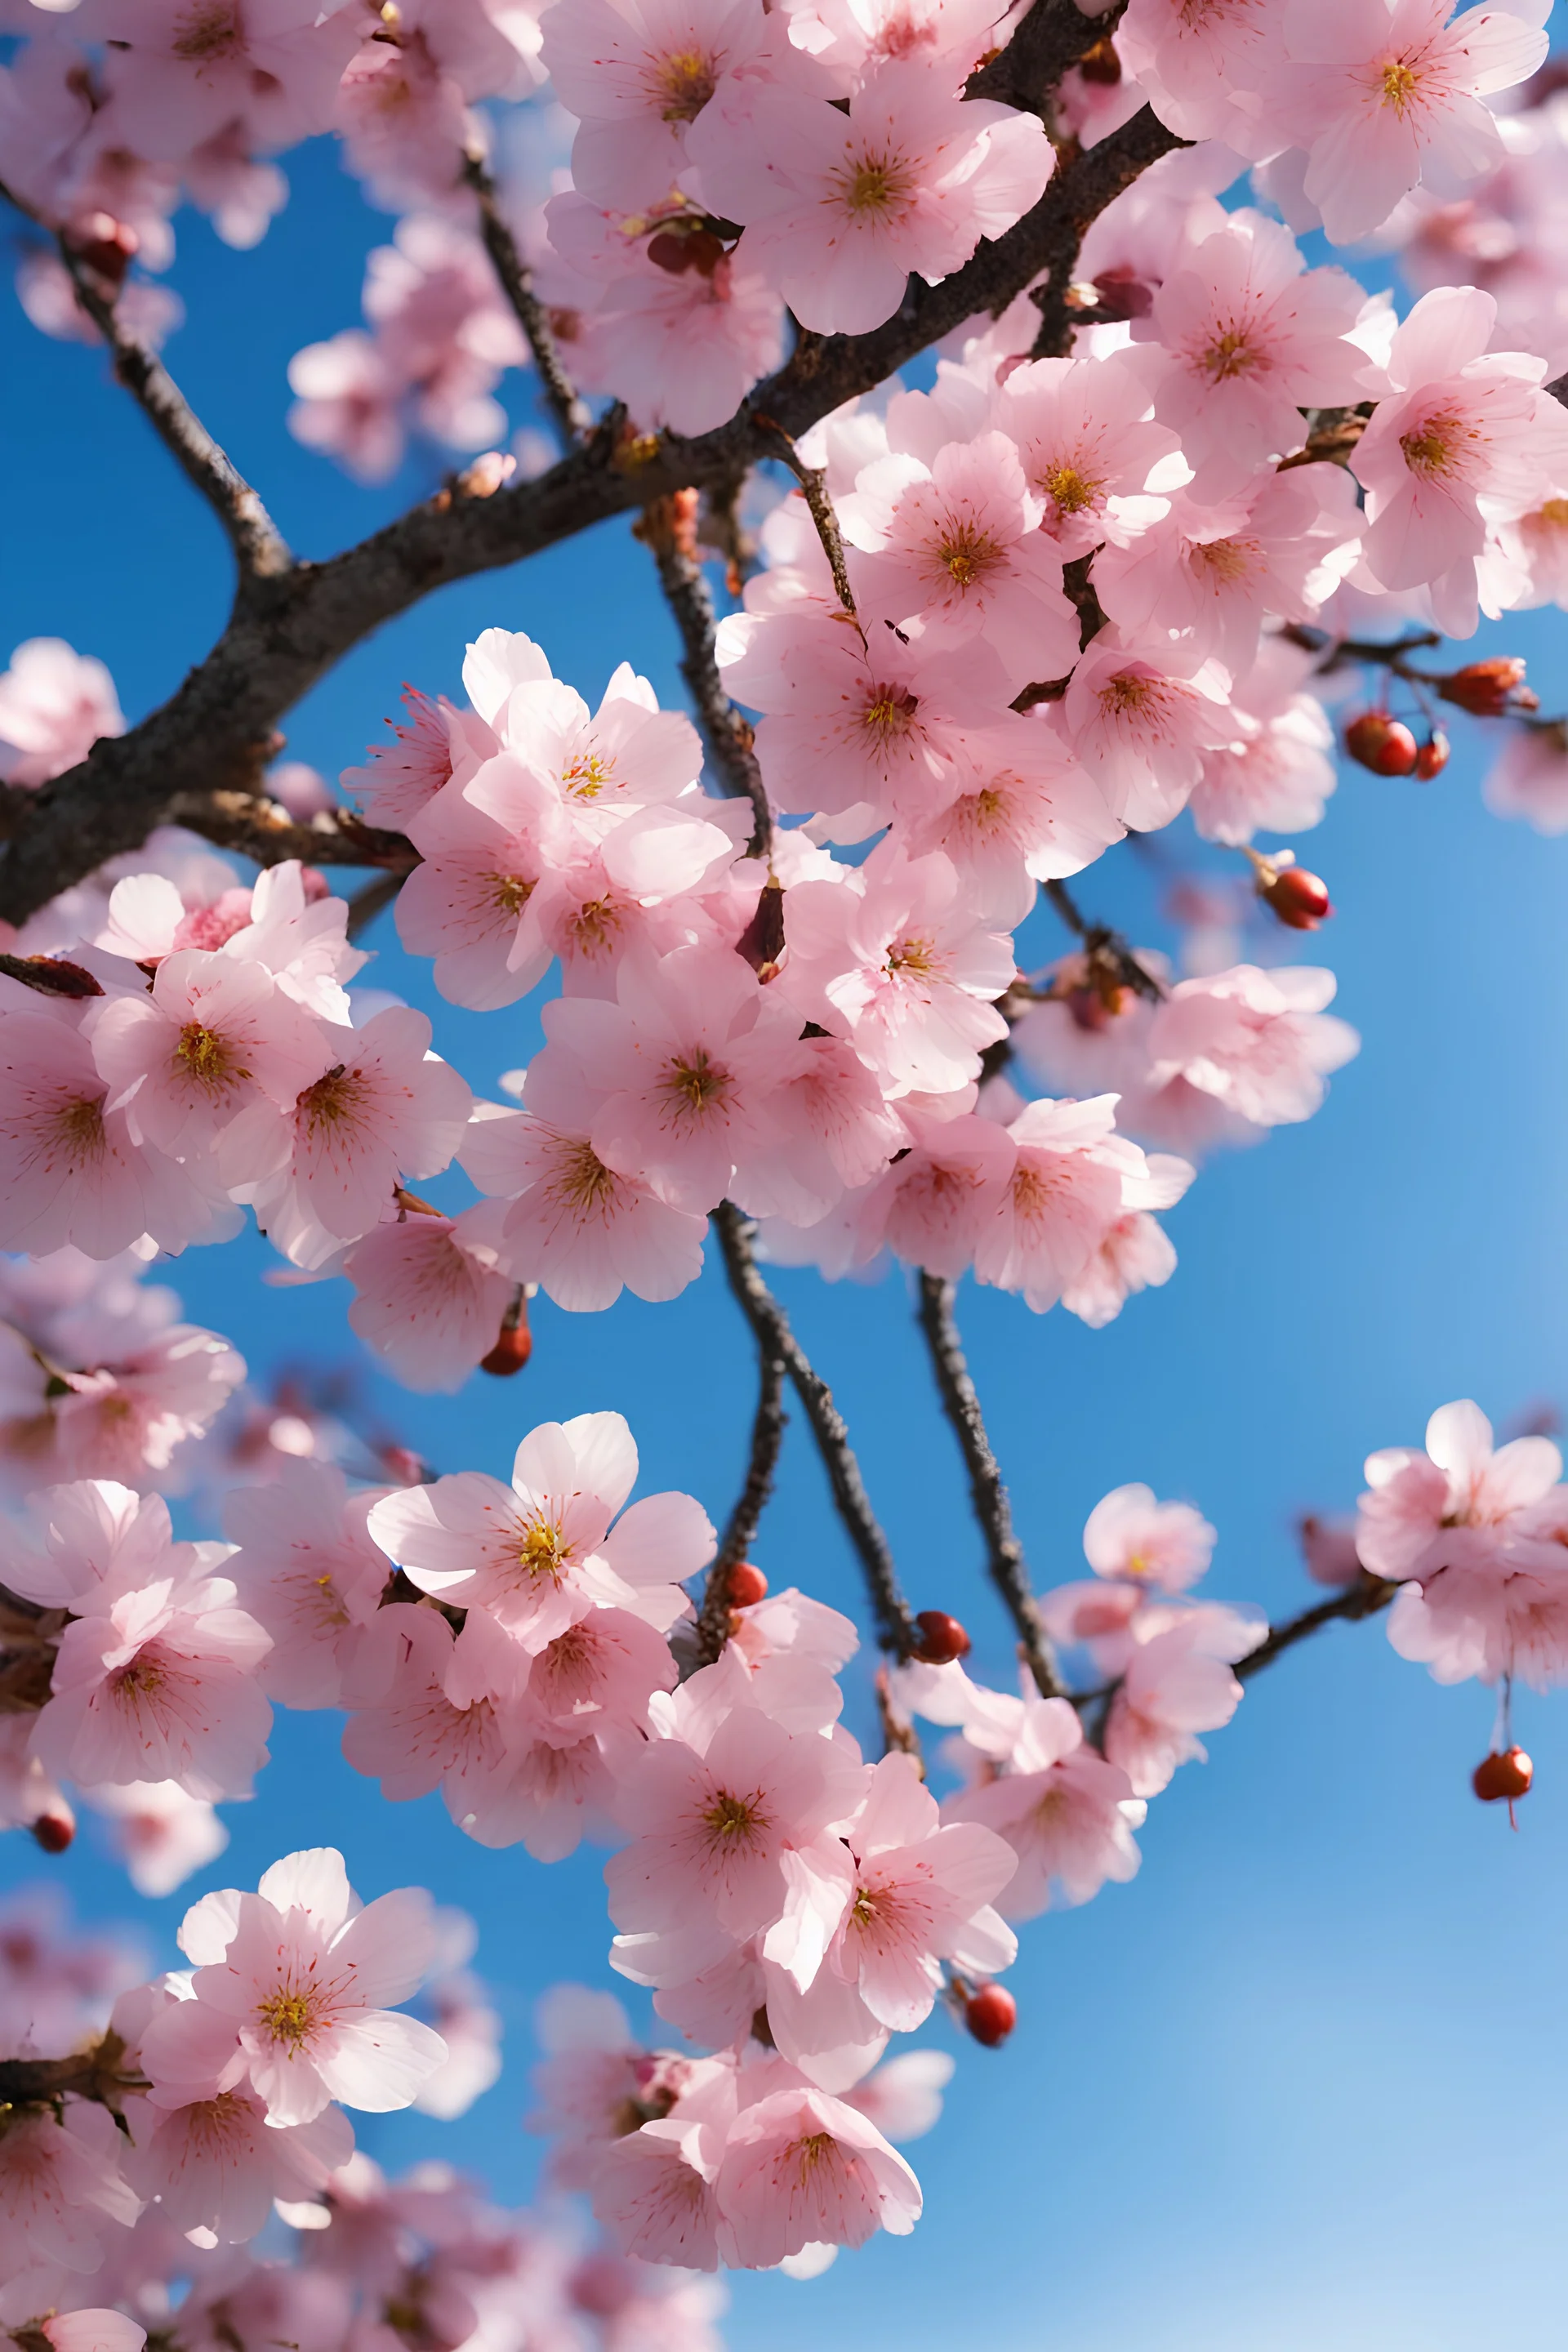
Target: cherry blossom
pixel 288 1994
pixel 1164 1545
pixel 839 212
pixel 54 705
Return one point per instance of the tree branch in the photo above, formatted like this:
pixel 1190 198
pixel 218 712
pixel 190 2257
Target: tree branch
pixel 570 414
pixel 1365 1597
pixel 668 528
pixel 767 1436
pixel 1103 945
pixel 259 548
pixel 1003 1552
pixel 1053 37
pixel 220 727
pixel 896 1627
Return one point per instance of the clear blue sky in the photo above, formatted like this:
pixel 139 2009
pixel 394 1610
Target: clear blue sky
pixel 1305 2082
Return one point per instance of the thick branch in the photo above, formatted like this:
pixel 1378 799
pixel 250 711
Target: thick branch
pixel 90 2073
pixel 667 529
pixel 220 728
pixel 572 417
pixel 896 1627
pixel 1003 1552
pixel 1054 35
pixel 767 1436
pixel 259 548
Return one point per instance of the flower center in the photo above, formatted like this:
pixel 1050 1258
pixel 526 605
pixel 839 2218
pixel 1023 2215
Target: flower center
pixel 892 712
pixel 543 1551
pixel 912 955
pixel 582 1181
pixel 1226 561
pixel 1125 692
pixel 966 554
pixel 79 1126
pixel 1068 491
pixel 1399 84
pixel 205 1057
pixel 334 1101
pixel 731 1819
pixel 141 1678
pixel 1429 448
pixel 1229 355
pixel 287 2017
pixel 874 187
pixel 1554 514
pixel 683 83
pixel 586 776
pixel 212 31
pixel 512 893
pixel 695 1082
pixel 808 2156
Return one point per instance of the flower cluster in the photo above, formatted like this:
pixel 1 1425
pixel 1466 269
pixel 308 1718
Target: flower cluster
pixel 1478 1543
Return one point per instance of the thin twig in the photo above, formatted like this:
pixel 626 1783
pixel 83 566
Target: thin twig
pixel 262 829
pixel 570 413
pixel 813 480
pixel 667 529
pixel 896 1629
pixel 1101 942
pixel 1365 1597
pixel 767 1436
pixel 368 902
pixel 259 548
pixel 1003 1552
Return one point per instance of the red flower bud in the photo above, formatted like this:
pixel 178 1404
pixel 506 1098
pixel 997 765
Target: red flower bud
pixel 668 251
pixel 943 1639
pixel 1504 1779
pixel 54 1831
pixel 1488 689
pixel 991 2014
pixel 1433 757
pixel 1384 745
pixel 1299 899
pixel 747 1586
pixel 515 1344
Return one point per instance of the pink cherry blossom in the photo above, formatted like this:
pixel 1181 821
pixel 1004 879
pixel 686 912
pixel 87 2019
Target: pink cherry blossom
pixel 477 901
pixel 1246 338
pixel 1193 63
pixel 213 1037
pixel 540 1554
pixel 1258 1042
pixel 1277 770
pixel 1385 94
pixel 216 2165
pixel 160 1685
pixel 385 1108
pixel 290 1993
pixel 801 2169
pixel 1467 433
pixel 1458 1497
pixel 1165 1545
pixel 429 1298
pixel 1177 1683
pixel 901 966
pixel 1529 777
pixel 1089 445
pixel 405 774
pixel 417 1723
pixel 160 1832
pixel 54 705
pixel 934 1203
pixel 60 2183
pixel 1072 1179
pixel 1140 718
pixel 579 1229
pixel 307 1571
pixel 1067 1813
pixel 954 546
pixel 1136 1253
pixel 839 211
pixel 1023 812
pixel 830 1131
pixel 638 73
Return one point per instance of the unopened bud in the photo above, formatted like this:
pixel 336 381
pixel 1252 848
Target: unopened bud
pixel 943 1639
pixel 1504 1779
pixel 1489 690
pixel 1433 757
pixel 106 244
pixel 54 1831
pixel 991 2014
pixel 747 1585
pixel 489 473
pixel 515 1344
pixel 1299 899
pixel 1384 745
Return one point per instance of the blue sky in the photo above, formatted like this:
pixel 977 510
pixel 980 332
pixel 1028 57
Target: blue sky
pixel 1304 2081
